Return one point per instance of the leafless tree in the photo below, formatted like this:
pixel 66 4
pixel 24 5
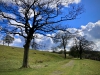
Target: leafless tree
pixel 81 44
pixel 62 38
pixel 28 17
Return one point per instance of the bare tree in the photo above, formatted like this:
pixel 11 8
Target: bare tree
pixel 81 45
pixel 28 17
pixel 62 38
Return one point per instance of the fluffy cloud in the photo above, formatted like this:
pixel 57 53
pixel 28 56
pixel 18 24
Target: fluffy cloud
pixel 53 2
pixel 72 30
pixel 44 41
pixel 92 32
pixel 18 41
pixel 9 15
pixel 63 2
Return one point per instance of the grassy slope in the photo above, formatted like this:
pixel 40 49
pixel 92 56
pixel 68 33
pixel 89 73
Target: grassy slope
pixel 44 63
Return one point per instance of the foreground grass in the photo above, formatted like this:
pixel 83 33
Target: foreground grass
pixel 44 63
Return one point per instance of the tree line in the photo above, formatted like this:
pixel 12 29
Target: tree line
pixel 81 48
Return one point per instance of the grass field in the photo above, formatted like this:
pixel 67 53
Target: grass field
pixel 44 63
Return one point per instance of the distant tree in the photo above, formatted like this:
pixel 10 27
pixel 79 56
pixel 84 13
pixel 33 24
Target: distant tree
pixel 8 39
pixel 55 49
pixel 62 38
pixel 28 17
pixel 74 52
pixel 81 45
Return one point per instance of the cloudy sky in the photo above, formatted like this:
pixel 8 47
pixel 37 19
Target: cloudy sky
pixel 87 23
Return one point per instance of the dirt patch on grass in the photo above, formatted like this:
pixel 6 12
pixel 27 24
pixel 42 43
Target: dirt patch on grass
pixel 70 63
pixel 57 72
pixel 60 72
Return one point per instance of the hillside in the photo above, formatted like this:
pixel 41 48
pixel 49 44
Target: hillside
pixel 44 63
pixel 9 55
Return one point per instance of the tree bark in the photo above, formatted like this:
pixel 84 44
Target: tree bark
pixel 80 51
pixel 26 52
pixel 65 53
pixel 64 46
pixel 25 57
pixel 80 54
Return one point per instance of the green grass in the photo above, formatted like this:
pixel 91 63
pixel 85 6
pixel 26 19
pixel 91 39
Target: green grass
pixel 44 63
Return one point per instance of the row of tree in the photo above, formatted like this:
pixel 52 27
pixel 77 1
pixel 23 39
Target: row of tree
pixel 80 45
pixel 87 54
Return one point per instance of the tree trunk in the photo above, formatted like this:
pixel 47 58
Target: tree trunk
pixel 65 53
pixel 80 51
pixel 64 46
pixel 25 57
pixel 80 54
pixel 26 52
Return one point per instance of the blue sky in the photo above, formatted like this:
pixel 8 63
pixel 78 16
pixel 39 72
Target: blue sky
pixel 88 24
pixel 91 14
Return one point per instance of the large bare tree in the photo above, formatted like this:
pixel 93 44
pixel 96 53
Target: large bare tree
pixel 28 17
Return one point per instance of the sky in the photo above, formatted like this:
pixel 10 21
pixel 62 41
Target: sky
pixel 91 13
pixel 88 24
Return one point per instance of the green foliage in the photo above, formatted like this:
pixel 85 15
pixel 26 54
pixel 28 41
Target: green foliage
pixel 74 52
pixel 8 39
pixel 87 54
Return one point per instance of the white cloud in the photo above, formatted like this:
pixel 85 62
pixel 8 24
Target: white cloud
pixel 70 44
pixel 77 1
pixel 53 3
pixel 44 41
pixel 9 15
pixel 18 42
pixel 72 30
pixel 92 32
pixel 16 23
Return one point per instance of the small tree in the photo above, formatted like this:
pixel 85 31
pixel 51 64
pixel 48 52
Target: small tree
pixel 8 39
pixel 55 49
pixel 62 38
pixel 74 52
pixel 81 45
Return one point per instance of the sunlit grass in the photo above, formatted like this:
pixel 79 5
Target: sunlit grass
pixel 44 63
